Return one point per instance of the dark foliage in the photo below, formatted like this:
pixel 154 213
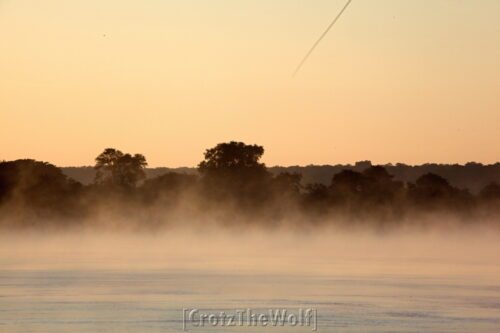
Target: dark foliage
pixel 39 188
pixel 231 179
pixel 167 188
pixel 114 168
pixel 232 171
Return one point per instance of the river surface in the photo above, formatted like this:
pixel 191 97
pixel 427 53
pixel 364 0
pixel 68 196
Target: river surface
pixel 122 284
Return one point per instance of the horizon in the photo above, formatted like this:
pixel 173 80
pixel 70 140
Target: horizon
pixel 296 165
pixel 270 166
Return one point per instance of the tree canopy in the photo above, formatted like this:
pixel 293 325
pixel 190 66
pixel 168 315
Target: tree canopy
pixel 118 169
pixel 232 156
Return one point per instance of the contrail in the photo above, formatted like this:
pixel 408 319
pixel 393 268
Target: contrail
pixel 321 37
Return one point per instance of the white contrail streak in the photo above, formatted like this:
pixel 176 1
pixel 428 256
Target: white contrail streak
pixel 321 37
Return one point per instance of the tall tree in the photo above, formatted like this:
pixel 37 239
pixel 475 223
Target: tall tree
pixel 37 185
pixel 118 169
pixel 233 169
pixel 232 156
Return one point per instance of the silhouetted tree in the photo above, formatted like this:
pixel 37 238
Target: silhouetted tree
pixel 367 192
pixel 118 169
pixel 360 166
pixel 316 192
pixel 231 157
pixel 379 186
pixel 435 192
pixel 316 200
pixel 489 201
pixel 431 186
pixel 287 184
pixel 233 170
pixel 37 186
pixel 285 193
pixel 490 192
pixel 347 185
pixel 168 187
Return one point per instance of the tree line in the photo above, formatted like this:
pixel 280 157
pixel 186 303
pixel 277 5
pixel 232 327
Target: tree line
pixel 231 185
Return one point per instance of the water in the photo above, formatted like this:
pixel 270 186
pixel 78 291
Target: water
pixel 141 284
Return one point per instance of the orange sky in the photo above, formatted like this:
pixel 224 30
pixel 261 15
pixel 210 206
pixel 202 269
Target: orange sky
pixel 395 81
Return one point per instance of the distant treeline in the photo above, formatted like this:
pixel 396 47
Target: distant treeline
pixel 232 186
pixel 472 176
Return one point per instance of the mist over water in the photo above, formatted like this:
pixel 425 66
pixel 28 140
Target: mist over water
pixel 398 281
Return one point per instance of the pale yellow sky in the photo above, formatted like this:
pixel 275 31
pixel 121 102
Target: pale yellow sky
pixel 395 81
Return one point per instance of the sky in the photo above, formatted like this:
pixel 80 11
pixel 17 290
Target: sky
pixel 395 80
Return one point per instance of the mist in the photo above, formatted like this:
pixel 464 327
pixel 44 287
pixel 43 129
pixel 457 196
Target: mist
pixel 213 248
